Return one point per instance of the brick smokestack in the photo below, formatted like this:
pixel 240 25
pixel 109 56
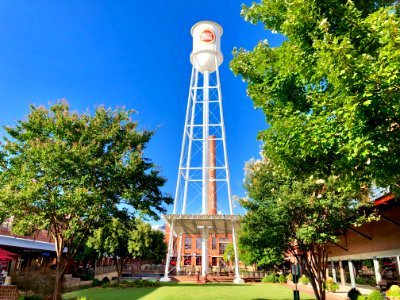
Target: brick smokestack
pixel 212 184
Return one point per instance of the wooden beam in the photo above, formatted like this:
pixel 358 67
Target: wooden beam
pixel 393 222
pixel 360 233
pixel 340 246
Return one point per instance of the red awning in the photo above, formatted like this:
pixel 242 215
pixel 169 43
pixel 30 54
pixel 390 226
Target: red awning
pixel 6 257
pixel 5 253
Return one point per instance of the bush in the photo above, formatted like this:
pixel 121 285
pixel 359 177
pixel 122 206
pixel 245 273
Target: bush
pixel 37 284
pixel 361 280
pixel 271 278
pixel 96 282
pixel 105 284
pixel 289 277
pixel 394 291
pixel 353 294
pixel 330 285
pixel 376 295
pixel 282 278
pixel 304 280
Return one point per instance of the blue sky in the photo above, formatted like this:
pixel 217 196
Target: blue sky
pixel 127 53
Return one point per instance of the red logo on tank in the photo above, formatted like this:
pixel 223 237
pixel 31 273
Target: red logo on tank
pixel 207 36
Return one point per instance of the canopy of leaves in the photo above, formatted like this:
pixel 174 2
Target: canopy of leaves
pixel 331 91
pixel 124 238
pixel 66 172
pixel 61 170
pixel 304 217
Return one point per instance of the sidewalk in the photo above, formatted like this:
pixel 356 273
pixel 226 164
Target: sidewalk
pixel 340 294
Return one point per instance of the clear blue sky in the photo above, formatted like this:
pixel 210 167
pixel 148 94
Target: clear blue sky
pixel 127 53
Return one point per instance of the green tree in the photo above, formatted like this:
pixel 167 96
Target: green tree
pixel 331 91
pixel 66 172
pixel 145 242
pixel 112 239
pixel 302 217
pixel 229 254
pixel 125 238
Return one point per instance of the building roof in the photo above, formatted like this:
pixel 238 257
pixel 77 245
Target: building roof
pixel 193 224
pixel 383 199
pixel 25 243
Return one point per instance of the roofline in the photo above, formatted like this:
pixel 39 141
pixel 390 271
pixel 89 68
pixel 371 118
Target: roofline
pixel 383 199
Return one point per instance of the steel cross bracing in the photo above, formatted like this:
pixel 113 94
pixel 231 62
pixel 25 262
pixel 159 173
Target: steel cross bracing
pixel 204 121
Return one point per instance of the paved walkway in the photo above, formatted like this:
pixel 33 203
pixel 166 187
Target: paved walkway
pixel 340 294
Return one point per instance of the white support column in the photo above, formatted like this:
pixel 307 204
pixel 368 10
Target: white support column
pixel 351 271
pixel 341 270
pixel 179 258
pixel 205 168
pixel 378 276
pixel 398 263
pixel 237 279
pixel 204 252
pixel 333 271
pixel 170 248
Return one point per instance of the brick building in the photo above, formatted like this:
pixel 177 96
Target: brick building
pixel 365 253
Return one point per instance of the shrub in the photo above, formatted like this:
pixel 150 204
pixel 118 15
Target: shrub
pixel 271 278
pixel 282 278
pixel 353 294
pixel 289 277
pixel 394 291
pixel 304 280
pixel 376 295
pixel 371 281
pixel 96 282
pixel 105 284
pixel 35 284
pixel 330 285
pixel 361 280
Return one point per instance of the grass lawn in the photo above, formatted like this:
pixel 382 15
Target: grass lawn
pixel 189 291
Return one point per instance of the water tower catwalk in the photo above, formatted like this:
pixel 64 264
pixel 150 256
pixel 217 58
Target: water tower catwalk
pixel 203 175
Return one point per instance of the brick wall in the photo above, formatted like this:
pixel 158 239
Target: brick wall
pixel 385 239
pixel 8 292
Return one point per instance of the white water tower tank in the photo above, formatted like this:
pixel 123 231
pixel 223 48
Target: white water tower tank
pixel 206 46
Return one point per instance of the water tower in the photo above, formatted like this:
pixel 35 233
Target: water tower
pixel 203 174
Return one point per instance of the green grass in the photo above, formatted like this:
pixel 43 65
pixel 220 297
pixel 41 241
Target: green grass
pixel 182 291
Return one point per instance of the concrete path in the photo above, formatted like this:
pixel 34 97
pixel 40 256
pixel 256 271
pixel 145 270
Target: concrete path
pixel 340 294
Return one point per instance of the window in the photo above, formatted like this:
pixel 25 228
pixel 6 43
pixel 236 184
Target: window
pixel 214 244
pixel 222 247
pixel 188 243
pixel 224 240
pixel 187 260
pixel 198 243
pixel 198 260
pixel 223 243
pixel 214 261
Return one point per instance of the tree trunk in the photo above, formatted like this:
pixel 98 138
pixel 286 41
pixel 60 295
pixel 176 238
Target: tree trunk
pixel 315 268
pixel 118 268
pixel 61 266
pixel 58 284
